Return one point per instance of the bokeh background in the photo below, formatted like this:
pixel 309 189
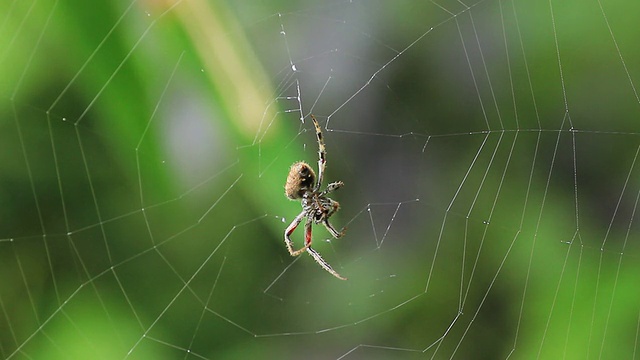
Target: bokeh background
pixel 488 151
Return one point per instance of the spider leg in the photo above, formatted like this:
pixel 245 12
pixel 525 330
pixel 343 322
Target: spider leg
pixel 331 207
pixel 332 187
pixel 322 153
pixel 291 228
pixel 323 263
pixel 335 233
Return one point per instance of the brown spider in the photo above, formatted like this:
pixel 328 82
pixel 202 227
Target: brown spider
pixel 316 206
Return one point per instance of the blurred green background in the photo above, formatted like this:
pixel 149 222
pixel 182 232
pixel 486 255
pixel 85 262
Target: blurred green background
pixel 488 152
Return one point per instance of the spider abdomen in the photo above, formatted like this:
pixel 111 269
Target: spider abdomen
pixel 300 180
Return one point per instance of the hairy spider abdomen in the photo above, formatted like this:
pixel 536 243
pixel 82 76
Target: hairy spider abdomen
pixel 300 180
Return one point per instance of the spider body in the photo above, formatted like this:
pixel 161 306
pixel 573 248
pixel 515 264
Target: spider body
pixel 317 207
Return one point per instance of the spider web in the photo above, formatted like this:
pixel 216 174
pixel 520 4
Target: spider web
pixel 489 153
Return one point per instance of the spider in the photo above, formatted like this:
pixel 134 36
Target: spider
pixel 316 206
